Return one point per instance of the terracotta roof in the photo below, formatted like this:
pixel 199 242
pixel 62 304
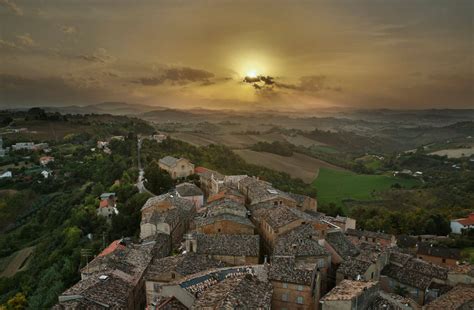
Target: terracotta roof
pixel 200 169
pixel 103 203
pixel 466 221
pixel 117 244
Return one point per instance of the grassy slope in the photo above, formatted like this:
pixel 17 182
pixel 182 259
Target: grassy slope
pixel 334 186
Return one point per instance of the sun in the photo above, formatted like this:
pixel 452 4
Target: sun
pixel 252 73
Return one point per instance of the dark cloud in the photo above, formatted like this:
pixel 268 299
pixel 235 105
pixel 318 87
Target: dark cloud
pixel 310 84
pixel 179 76
pixel 12 7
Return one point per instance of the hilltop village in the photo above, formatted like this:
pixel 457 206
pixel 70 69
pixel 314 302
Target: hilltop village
pixel 237 242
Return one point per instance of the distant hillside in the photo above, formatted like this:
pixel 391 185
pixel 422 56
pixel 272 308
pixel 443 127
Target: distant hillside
pixel 114 108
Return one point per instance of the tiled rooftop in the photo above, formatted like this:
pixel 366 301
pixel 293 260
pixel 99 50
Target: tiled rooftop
pixel 188 190
pixel 284 269
pixel 347 290
pixel 232 245
pixel 367 233
pixel 301 241
pixel 438 251
pixel 460 297
pixel 183 264
pixel 341 244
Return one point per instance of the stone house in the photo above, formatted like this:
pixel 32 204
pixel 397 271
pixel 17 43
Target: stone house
pixel 231 249
pixel 192 193
pixel 257 191
pixel 382 239
pixel 349 295
pixel 224 216
pixel 438 255
pixel 294 287
pixel 166 214
pixel 305 203
pixel 366 266
pixel 460 297
pixel 107 205
pixel 227 193
pixel 176 167
pixel 244 287
pixel 211 181
pixel 174 268
pixel 423 281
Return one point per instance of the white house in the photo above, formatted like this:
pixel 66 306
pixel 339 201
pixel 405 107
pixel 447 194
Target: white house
pixel 458 225
pixel 6 175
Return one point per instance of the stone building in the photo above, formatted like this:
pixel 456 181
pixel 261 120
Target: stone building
pixel 224 216
pixel 192 193
pixel 174 268
pixel 366 266
pixel 176 167
pixel 382 239
pixel 305 203
pixel 460 297
pixel 349 295
pixel 422 281
pixel 231 249
pixel 438 255
pixel 258 191
pixel 294 286
pixel 244 287
pixel 166 214
pixel 113 279
pixel 211 181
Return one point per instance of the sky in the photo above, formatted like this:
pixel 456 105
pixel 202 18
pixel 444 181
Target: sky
pixel 282 55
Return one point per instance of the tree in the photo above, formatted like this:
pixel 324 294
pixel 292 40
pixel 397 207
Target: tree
pixel 17 302
pixel 158 181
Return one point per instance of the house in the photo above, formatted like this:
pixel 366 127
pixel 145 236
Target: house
pixel 6 175
pixel 258 191
pixel 113 279
pixel 274 220
pixel 305 203
pixel 227 193
pixel 349 295
pixel 438 255
pixel 339 246
pixel 159 137
pixel 460 297
pixel 294 287
pixel 23 146
pixel 176 167
pixel 102 144
pixel 44 160
pixel 462 224
pixel 192 193
pixel 231 249
pixel 461 274
pixel 211 181
pixel 342 222
pixel 166 214
pixel 382 239
pixel 174 268
pixel 366 266
pixel 224 216
pixel 244 287
pixel 422 281
pixel 107 205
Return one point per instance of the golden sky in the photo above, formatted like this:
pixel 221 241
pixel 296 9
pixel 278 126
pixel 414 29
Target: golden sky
pixel 196 53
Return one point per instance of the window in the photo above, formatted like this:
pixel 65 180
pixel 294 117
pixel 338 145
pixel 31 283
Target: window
pixel 444 260
pixel 372 275
pixel 172 275
pixel 284 296
pixel 300 287
pixel 275 203
pixel 300 300
pixel 218 230
pixel 285 285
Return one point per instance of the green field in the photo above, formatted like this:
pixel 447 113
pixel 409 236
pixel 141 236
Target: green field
pixel 335 186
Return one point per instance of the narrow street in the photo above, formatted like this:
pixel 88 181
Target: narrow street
pixel 141 173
